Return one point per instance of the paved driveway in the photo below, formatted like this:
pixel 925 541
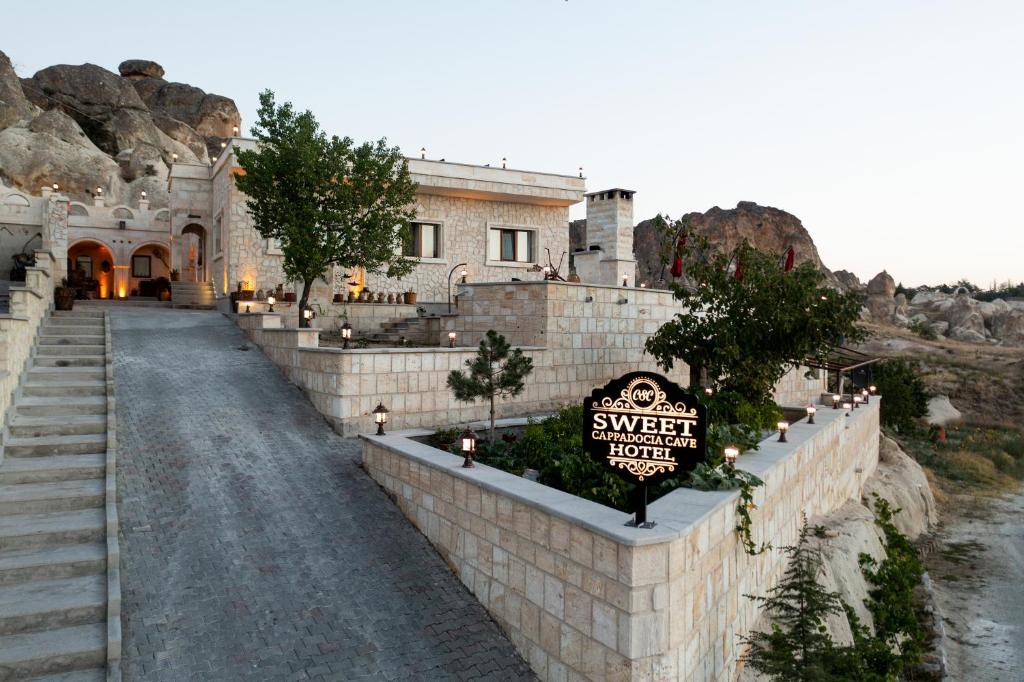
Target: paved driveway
pixel 253 545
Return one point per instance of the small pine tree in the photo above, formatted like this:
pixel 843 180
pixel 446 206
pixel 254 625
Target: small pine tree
pixel 496 371
pixel 799 648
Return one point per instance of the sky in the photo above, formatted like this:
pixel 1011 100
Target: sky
pixel 893 130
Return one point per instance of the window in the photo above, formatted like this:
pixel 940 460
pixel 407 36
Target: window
pixel 84 263
pixel 141 267
pixel 425 241
pixel 511 245
pixel 217 248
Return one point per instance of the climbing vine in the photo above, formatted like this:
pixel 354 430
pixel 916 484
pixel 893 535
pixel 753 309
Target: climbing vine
pixel 728 477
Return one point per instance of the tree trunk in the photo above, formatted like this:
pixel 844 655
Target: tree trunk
pixel 695 376
pixel 492 418
pixel 303 301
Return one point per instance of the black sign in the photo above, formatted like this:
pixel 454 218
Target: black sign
pixel 645 428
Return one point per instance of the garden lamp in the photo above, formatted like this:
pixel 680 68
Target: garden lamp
pixel 346 334
pixel 270 302
pixel 451 339
pixel 835 401
pixel 731 453
pixel 811 411
pixel 380 417
pixel 468 441
pixel 783 428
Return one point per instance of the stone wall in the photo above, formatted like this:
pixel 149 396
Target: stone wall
pixel 30 303
pixel 584 597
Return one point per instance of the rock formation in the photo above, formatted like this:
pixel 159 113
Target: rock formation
pixel 84 127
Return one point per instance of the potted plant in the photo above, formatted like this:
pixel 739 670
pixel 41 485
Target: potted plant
pixel 64 296
pixel 163 288
pixel 289 297
pixel 175 274
pixel 339 298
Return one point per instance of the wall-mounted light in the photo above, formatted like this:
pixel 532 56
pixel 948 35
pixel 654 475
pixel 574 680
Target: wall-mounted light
pixel 234 130
pixel 783 428
pixel 731 453
pixel 270 302
pixel 308 314
pixel 835 401
pixel 346 334
pixel 380 418
pixel 811 411
pixel 468 443
pixel 464 273
pixel 451 339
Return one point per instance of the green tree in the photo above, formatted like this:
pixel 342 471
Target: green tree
pixel 799 648
pixel 904 395
pixel 496 371
pixel 327 201
pixel 742 332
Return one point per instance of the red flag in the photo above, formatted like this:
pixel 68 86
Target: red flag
pixel 677 267
pixel 738 274
pixel 790 258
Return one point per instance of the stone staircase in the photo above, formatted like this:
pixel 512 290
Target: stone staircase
pixel 5 296
pixel 193 295
pixel 53 510
pixel 412 329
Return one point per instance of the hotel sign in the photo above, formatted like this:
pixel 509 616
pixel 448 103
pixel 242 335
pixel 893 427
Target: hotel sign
pixel 644 427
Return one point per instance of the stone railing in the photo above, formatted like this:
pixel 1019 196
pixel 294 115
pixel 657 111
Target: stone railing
pixel 30 303
pixel 583 596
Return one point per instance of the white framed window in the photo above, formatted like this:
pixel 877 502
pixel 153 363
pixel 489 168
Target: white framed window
pixel 273 247
pixel 218 246
pixel 424 240
pixel 511 244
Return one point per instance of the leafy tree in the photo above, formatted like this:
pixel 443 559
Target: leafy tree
pixel 496 371
pixel 746 321
pixel 328 201
pixel 904 396
pixel 799 648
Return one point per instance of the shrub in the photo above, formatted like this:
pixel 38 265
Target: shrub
pixel 904 396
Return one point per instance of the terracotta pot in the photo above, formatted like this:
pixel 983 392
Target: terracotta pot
pixel 400 298
pixel 339 298
pixel 351 297
pixel 380 297
pixel 391 298
pixel 410 297
pixel 289 297
pixel 573 277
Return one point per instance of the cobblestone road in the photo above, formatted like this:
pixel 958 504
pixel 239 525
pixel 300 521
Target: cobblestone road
pixel 253 546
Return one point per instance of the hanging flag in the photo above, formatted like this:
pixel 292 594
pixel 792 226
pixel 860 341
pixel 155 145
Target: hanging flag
pixel 677 262
pixel 738 273
pixel 790 259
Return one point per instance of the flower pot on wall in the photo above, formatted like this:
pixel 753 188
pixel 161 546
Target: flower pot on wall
pixel 351 297
pixel 289 297
pixel 410 297
pixel 400 298
pixel 63 298
pixel 339 298
pixel 391 298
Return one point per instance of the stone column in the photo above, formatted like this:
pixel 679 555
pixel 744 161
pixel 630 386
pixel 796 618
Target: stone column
pixel 55 232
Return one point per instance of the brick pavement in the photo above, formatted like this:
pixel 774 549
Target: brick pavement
pixel 253 545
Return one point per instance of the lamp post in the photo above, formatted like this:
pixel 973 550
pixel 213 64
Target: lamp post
pixel 811 411
pixel 346 334
pixel 836 398
pixel 783 428
pixel 857 399
pixel 866 396
pixel 451 339
pixel 270 303
pixel 450 273
pixel 380 417
pixel 731 453
pixel 468 441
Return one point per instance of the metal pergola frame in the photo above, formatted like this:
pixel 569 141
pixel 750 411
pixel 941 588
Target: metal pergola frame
pixel 842 360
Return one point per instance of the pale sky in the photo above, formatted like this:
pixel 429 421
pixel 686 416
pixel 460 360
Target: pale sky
pixel 893 130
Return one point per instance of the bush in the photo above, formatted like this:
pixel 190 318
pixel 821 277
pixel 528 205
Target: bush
pixel 904 396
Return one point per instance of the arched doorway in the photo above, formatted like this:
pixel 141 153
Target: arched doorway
pixel 149 270
pixel 91 270
pixel 192 253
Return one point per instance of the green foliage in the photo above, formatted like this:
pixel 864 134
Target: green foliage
pixel 922 329
pixel 327 201
pixel 728 477
pixel 496 371
pixel 443 438
pixel 798 648
pixel 745 334
pixel 892 604
pixel 904 396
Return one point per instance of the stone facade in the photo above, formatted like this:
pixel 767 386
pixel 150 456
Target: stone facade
pixel 583 597
pixel 608 258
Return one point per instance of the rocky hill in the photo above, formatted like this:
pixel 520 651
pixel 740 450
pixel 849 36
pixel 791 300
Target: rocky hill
pixel 769 229
pixel 84 127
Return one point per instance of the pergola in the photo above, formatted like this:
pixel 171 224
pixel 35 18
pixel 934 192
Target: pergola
pixel 843 360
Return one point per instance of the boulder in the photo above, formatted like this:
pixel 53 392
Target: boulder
pixel 209 115
pixel 941 412
pixel 14 105
pixel 924 298
pixel 901 481
pixel 140 68
pixel 941 327
pixel 1008 327
pixel 902 307
pixel 882 284
pixel 967 335
pixel 185 136
pixel 881 307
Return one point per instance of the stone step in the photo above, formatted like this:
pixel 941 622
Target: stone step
pixel 52 563
pixel 64 654
pixel 81 313
pixel 34 498
pixel 54 468
pixel 48 604
pixel 41 446
pixel 71 339
pixel 54 407
pixel 52 528
pixel 38 375
pixel 64 388
pixel 52 329
pixel 68 425
pixel 69 360
pixel 91 349
pixel 79 325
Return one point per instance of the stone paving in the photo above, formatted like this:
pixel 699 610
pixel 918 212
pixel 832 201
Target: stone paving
pixel 253 545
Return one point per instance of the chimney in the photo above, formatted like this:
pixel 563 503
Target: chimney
pixel 609 255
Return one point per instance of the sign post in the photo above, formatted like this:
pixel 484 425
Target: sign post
pixel 646 429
